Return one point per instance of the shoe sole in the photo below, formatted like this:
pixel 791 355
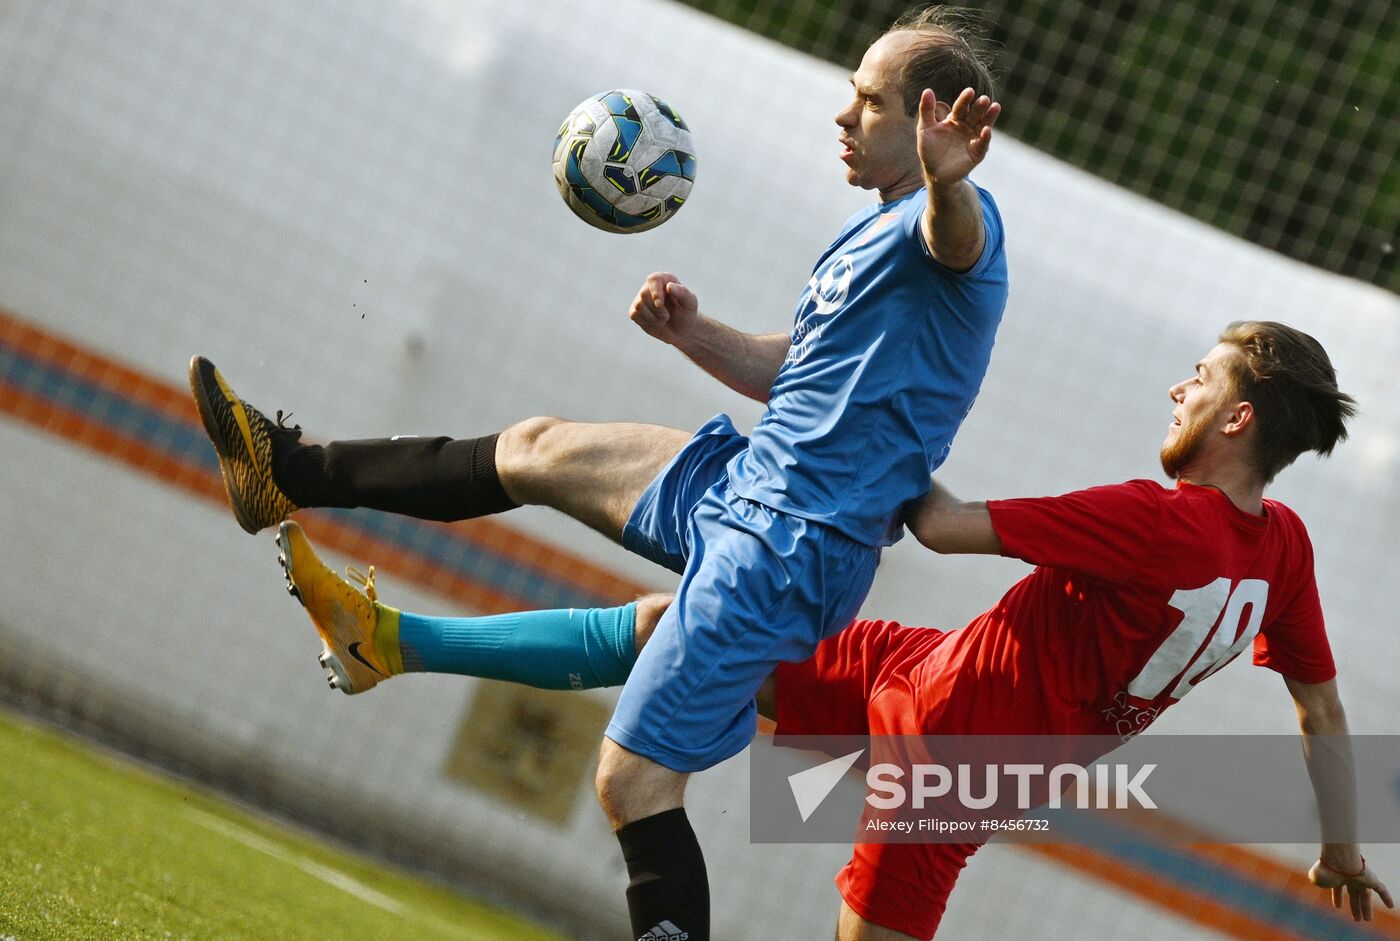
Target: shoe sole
pixel 210 419
pixel 337 676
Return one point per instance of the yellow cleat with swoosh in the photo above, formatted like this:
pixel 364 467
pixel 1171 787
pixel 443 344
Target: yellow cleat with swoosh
pixel 359 635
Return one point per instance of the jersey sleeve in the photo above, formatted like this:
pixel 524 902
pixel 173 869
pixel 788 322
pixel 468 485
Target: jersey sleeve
pixel 992 249
pixel 1103 532
pixel 1295 643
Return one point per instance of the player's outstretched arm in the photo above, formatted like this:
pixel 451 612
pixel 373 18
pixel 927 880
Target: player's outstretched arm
pixel 946 524
pixel 746 362
pixel 1340 868
pixel 949 149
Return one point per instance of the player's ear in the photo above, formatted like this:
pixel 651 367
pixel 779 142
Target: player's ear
pixel 1239 419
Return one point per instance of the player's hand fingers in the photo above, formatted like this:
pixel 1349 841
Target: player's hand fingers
pixel 961 104
pixel 644 303
pixel 928 105
pixel 644 315
pixel 1384 893
pixel 1337 896
pixel 681 296
pixel 656 286
pixel 993 112
pixel 978 110
pixel 982 144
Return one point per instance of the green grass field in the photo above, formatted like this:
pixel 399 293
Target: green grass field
pixel 93 847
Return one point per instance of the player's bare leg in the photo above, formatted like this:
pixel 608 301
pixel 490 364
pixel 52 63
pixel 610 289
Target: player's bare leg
pixel 631 787
pixel 593 472
pixel 668 889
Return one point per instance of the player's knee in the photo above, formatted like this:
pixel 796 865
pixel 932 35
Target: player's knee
pixel 631 787
pixel 612 785
pixel 649 611
pixel 522 450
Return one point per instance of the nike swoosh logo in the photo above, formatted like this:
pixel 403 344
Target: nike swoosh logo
pixel 355 652
pixel 240 418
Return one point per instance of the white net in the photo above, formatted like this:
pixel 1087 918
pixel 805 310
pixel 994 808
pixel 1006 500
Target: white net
pixel 1271 119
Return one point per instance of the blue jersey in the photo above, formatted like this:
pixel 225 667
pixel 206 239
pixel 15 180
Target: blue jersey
pixel 888 352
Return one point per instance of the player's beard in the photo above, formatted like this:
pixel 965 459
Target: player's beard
pixel 1181 450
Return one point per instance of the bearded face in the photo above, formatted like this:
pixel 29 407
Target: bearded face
pixel 1184 443
pixel 1199 401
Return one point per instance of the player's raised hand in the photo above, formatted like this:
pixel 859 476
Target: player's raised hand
pixel 665 308
pixel 1357 887
pixel 950 148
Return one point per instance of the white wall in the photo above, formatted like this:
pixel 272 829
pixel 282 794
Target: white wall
pixel 348 206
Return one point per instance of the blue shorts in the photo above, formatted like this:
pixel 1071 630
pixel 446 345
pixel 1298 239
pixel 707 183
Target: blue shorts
pixel 758 587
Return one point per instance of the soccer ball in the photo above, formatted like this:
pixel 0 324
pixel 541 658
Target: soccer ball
pixel 624 161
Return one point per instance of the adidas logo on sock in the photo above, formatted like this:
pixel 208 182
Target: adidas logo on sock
pixel 666 931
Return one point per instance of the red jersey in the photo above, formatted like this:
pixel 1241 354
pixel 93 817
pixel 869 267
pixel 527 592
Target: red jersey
pixel 1140 593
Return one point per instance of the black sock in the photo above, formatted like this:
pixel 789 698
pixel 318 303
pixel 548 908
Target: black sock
pixel 428 478
pixel 668 897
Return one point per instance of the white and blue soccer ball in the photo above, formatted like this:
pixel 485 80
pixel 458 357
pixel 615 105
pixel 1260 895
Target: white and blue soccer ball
pixel 624 161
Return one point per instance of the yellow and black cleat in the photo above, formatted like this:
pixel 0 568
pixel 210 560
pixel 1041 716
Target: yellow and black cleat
pixel 242 436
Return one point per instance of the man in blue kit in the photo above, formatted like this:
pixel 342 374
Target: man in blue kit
pixel 776 535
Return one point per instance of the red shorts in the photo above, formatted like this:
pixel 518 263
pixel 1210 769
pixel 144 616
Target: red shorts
pixel 860 682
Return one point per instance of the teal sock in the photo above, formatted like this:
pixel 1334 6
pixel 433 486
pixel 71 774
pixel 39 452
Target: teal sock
pixel 567 648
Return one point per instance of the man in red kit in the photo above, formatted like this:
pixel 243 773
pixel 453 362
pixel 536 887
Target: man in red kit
pixel 1140 592
pixel 1115 623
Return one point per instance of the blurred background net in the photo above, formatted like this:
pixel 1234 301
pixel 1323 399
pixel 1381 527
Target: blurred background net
pixel 1274 120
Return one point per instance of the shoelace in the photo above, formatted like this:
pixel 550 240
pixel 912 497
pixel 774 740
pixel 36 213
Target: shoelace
pixel 365 581
pixel 293 431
